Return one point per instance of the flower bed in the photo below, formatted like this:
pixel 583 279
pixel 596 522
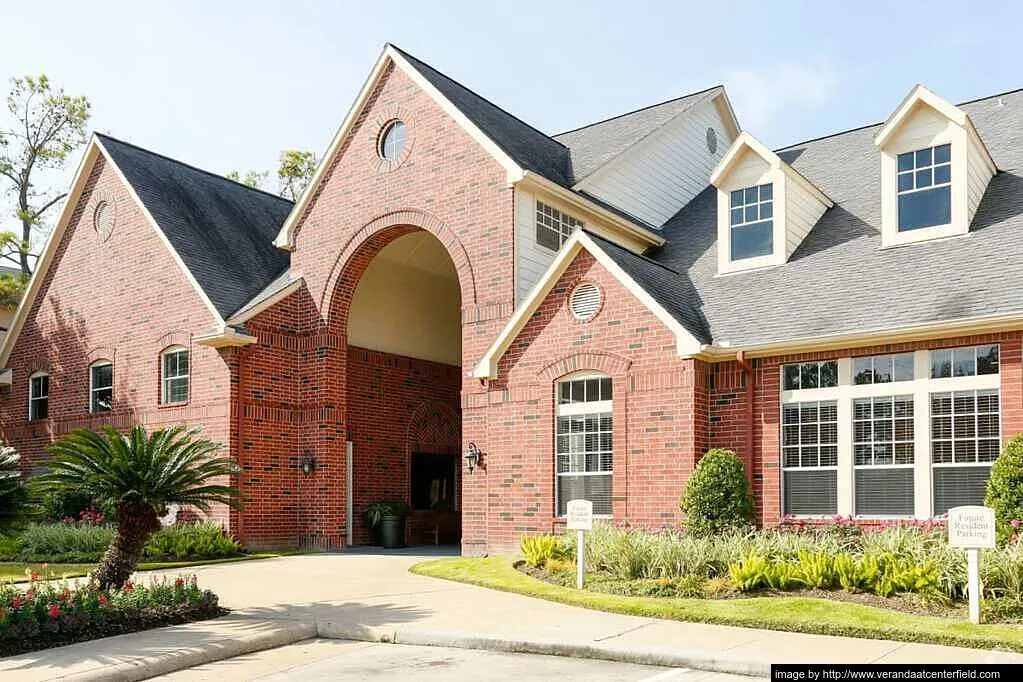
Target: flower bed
pixel 907 566
pixel 48 614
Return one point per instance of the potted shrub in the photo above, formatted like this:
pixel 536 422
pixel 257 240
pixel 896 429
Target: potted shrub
pixel 387 522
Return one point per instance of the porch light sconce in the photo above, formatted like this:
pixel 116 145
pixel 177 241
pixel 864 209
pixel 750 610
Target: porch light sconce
pixel 473 457
pixel 307 463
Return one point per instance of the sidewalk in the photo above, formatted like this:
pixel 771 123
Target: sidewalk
pixel 374 598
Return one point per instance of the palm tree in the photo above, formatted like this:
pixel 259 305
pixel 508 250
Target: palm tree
pixel 139 476
pixel 13 497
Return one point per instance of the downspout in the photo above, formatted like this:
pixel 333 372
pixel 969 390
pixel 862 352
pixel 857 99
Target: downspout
pixel 239 429
pixel 747 370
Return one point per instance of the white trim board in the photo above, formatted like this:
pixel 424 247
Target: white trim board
pixel 687 345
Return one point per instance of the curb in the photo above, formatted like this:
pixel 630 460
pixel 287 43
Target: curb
pixel 215 649
pixel 457 640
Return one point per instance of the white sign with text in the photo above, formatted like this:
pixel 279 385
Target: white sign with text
pixel 579 515
pixel 971 527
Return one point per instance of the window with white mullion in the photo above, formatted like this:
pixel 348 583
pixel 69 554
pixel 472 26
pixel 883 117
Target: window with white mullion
pixel 584 458
pixel 175 376
pixel 810 457
pixel 883 456
pixel 101 387
pixel 924 188
pixel 554 227
pixel 965 441
pixel 39 396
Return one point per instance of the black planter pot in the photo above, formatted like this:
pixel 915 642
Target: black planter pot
pixel 391 532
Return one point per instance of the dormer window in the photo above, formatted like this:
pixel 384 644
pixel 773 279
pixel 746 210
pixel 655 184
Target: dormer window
pixel 765 207
pixel 934 170
pixel 752 224
pixel 925 187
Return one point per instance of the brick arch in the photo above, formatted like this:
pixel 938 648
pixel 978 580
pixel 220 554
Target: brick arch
pixel 608 363
pixel 433 427
pixel 175 337
pixel 101 353
pixel 365 244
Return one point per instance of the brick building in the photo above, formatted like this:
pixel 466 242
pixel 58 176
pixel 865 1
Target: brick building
pixel 591 310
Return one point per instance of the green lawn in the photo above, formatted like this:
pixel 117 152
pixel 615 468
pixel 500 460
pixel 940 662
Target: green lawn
pixel 16 570
pixel 793 614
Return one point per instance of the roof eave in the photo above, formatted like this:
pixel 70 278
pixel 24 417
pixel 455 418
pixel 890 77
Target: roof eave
pixel 253 308
pixel 224 337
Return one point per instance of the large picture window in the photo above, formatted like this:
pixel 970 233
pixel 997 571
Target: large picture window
pixel 583 452
pixel 101 386
pixel 810 457
pixel 914 433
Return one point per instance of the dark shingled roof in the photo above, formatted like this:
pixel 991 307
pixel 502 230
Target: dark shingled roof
pixel 594 145
pixel 222 230
pixel 530 148
pixel 839 280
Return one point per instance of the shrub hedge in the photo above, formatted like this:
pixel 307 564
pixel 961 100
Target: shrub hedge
pixel 48 614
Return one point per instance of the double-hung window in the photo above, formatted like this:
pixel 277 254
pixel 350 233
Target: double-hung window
pixel 925 188
pixel 39 396
pixel 583 448
pixel 810 457
pixel 553 227
pixel 101 386
pixel 883 456
pixel 751 222
pixel 174 376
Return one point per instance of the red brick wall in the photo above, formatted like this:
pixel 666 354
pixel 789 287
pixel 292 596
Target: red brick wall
pixel 123 300
pixel 727 415
pixel 659 408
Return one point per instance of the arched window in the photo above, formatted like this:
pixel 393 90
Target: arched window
pixel 38 396
pixel 101 386
pixel 583 442
pixel 174 375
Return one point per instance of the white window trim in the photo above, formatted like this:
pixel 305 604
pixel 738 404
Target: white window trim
pixel 31 398
pixel 921 388
pixel 165 380
pixel 92 388
pixel 562 238
pixel 571 409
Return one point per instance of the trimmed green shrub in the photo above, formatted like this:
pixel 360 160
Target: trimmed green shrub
pixel 717 496
pixel 203 540
pixel 539 549
pixel 1005 488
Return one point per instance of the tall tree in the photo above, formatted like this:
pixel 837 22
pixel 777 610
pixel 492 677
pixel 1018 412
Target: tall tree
pixel 46 126
pixel 294 173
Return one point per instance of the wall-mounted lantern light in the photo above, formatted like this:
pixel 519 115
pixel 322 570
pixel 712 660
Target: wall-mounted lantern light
pixel 473 457
pixel 307 463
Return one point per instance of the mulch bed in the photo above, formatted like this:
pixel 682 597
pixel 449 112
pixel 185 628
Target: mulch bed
pixel 902 603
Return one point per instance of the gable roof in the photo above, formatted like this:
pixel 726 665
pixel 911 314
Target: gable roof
pixel 594 145
pixel 222 230
pixel 839 283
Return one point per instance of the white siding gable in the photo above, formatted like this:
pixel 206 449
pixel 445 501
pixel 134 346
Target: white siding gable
pixel 660 174
pixel 531 259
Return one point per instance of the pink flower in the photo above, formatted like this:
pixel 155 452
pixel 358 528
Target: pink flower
pixel 1014 523
pixel 54 611
pixel 17 602
pixel 30 595
pixel 1014 538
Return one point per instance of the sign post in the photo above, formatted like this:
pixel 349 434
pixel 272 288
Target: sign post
pixel 972 528
pixel 579 517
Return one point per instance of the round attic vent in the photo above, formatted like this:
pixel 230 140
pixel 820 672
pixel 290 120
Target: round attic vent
pixel 585 301
pixel 103 220
pixel 712 141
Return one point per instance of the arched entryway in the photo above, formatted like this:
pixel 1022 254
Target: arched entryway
pixel 399 305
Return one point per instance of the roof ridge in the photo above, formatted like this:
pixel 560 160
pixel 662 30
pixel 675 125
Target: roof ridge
pixel 191 167
pixel 476 94
pixel 636 111
pixel 873 125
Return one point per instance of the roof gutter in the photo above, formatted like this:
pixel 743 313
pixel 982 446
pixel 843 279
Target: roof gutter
pixel 254 309
pixel 639 236
pixel 224 337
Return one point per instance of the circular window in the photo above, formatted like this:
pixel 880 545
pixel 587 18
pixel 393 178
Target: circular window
pixel 103 220
pixel 584 301
pixel 712 141
pixel 392 141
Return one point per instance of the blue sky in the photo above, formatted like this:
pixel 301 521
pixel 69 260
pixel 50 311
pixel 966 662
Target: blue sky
pixel 228 84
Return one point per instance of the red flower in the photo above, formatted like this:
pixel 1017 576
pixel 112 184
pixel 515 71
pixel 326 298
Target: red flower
pixel 1014 538
pixel 179 583
pixel 128 587
pixel 17 602
pixel 33 576
pixel 54 611
pixel 103 601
